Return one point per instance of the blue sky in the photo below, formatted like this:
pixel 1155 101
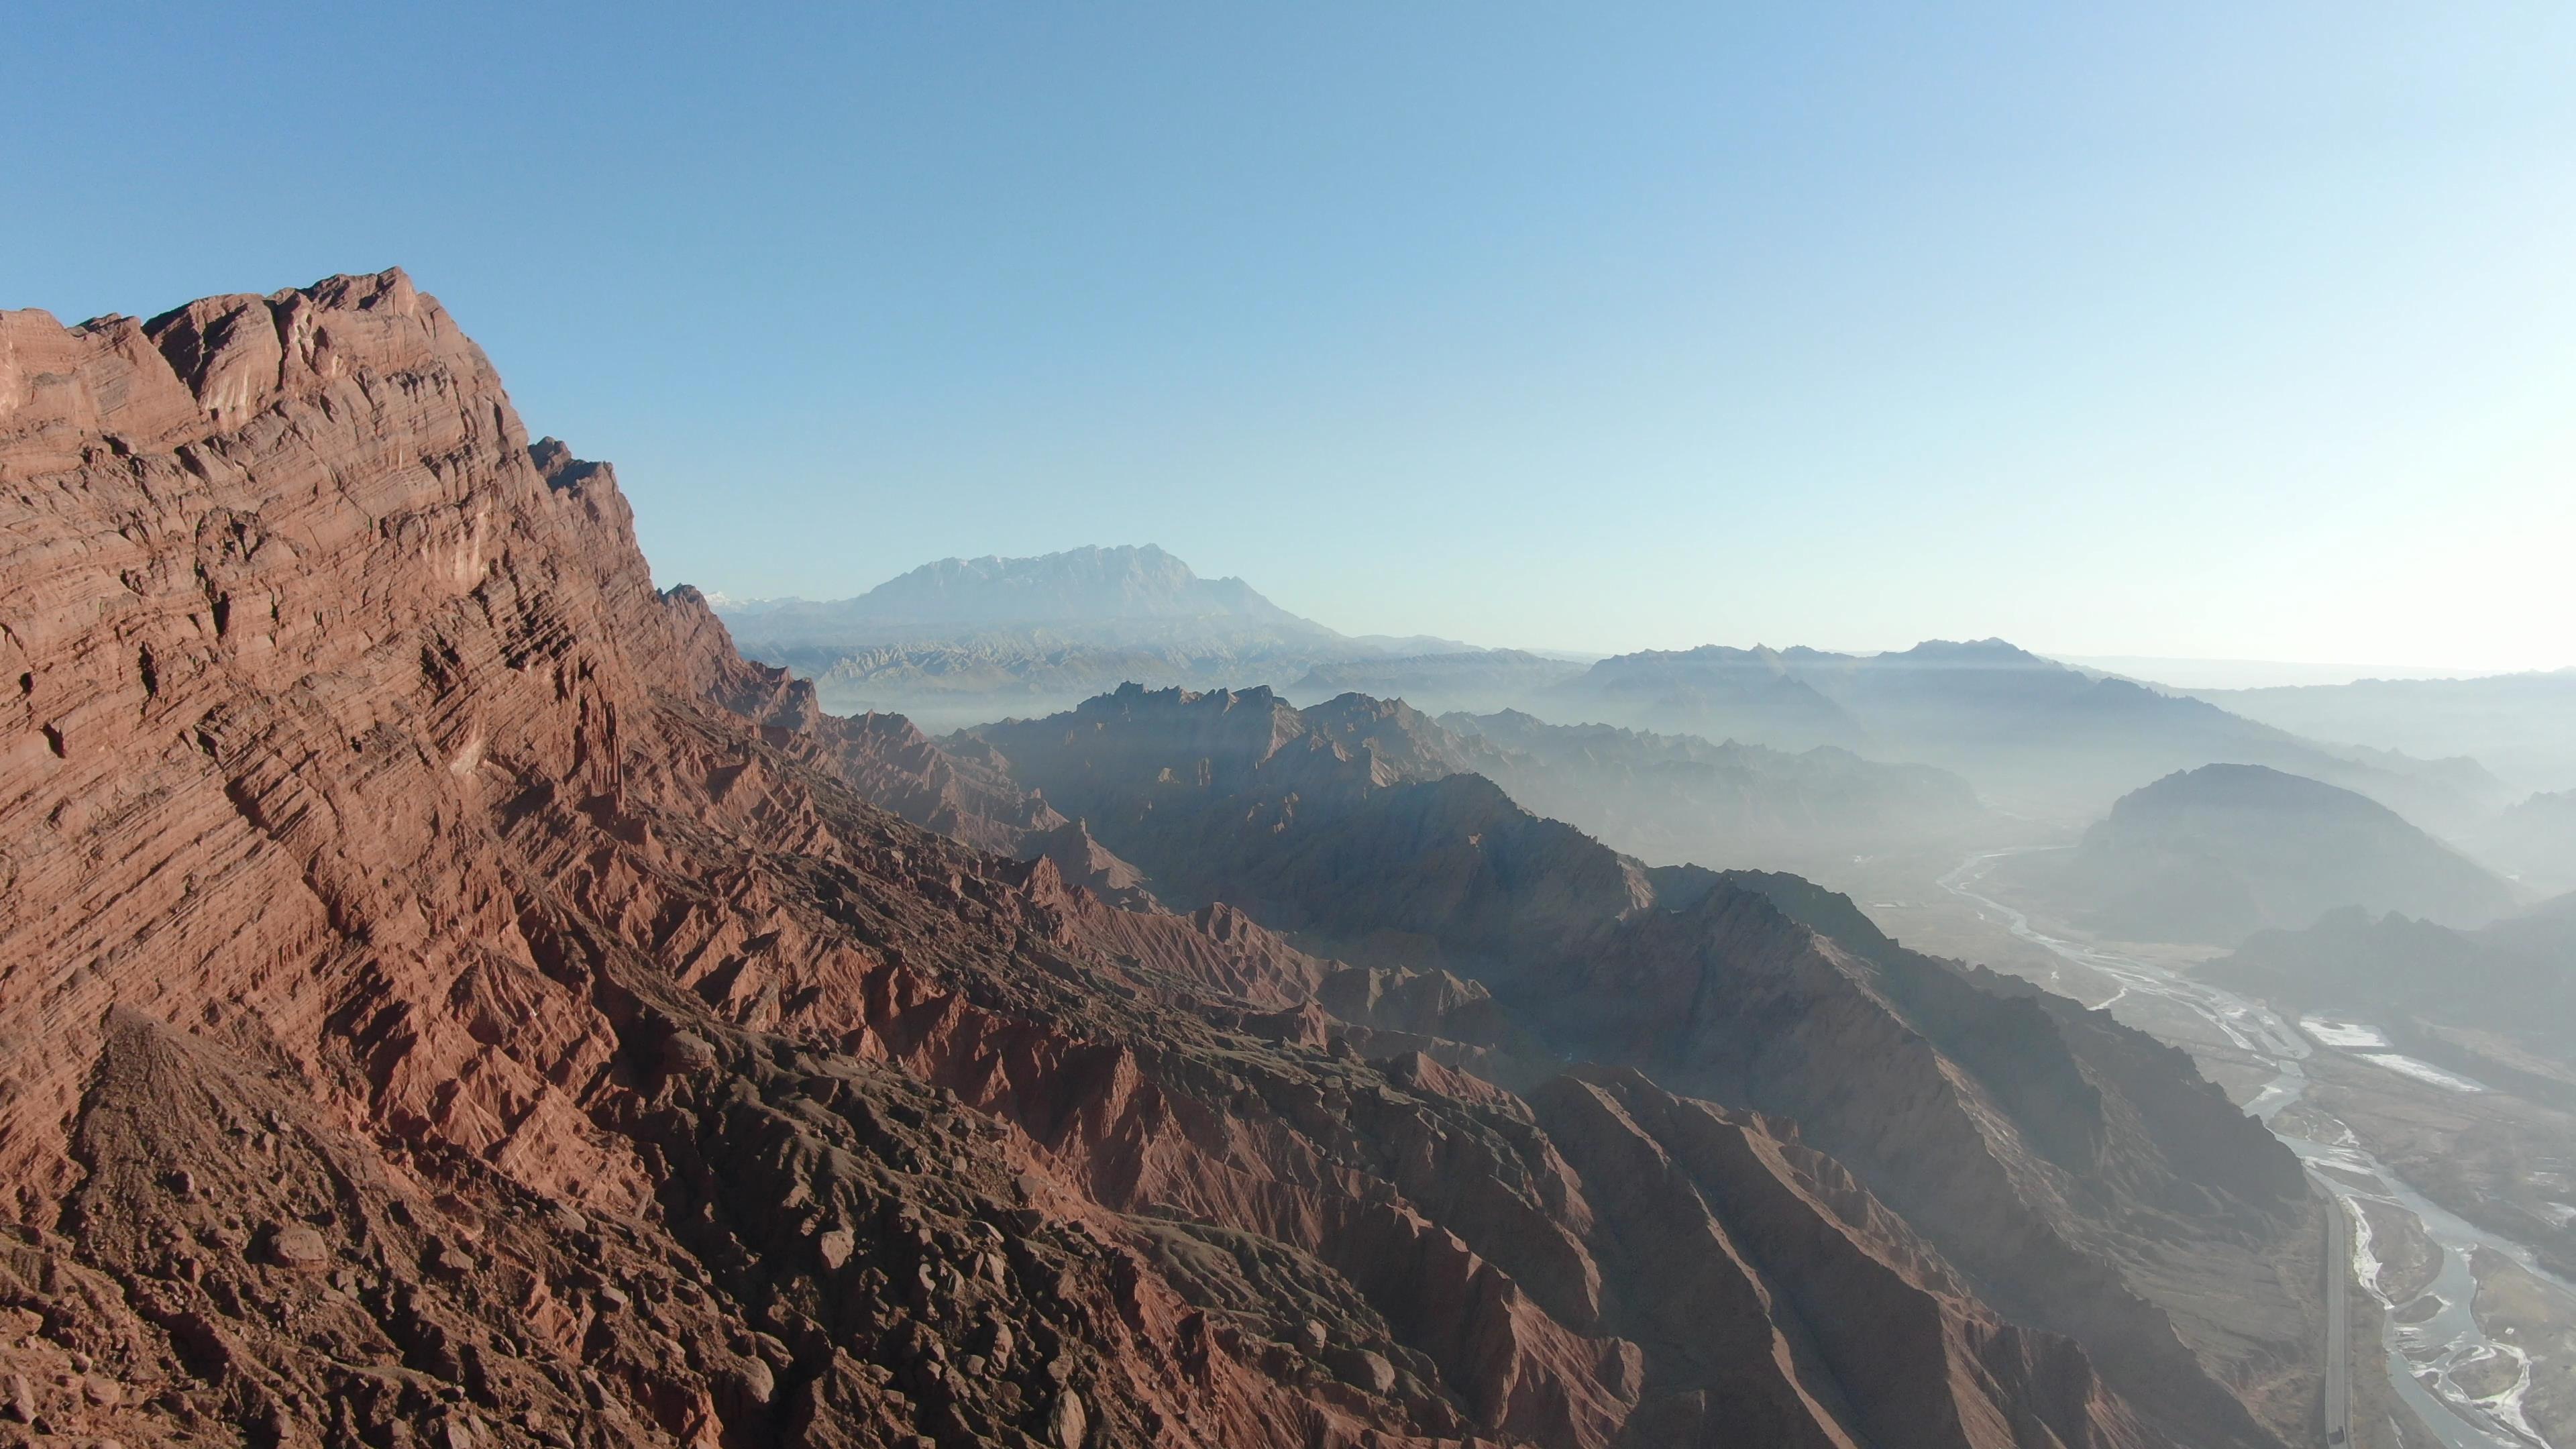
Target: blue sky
pixel 2216 330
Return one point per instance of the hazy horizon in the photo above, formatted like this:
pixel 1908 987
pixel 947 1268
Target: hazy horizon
pixel 2177 673
pixel 2202 334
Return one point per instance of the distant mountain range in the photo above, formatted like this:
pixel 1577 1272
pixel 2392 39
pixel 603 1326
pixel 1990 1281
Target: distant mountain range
pixel 1483 681
pixel 2216 854
pixel 964 641
pixel 970 641
pixel 2523 726
pixel 1673 798
pixel 2035 736
pixel 2497 1002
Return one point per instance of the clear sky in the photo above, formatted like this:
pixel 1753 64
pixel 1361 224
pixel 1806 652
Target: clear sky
pixel 2189 329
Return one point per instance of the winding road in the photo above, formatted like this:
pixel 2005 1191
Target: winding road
pixel 2338 1323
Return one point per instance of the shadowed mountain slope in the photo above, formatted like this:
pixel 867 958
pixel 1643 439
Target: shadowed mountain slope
pixel 2029 1141
pixel 2504 994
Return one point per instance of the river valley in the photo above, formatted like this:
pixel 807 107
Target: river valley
pixel 2468 1387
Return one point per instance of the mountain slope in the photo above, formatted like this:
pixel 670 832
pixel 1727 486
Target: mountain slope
pixel 2214 854
pixel 2512 982
pixel 2534 841
pixel 1750 695
pixel 2028 1141
pixel 451 994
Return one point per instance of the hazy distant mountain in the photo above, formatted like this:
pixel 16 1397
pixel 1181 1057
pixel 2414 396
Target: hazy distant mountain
pixel 2218 853
pixel 1121 597
pixel 1670 799
pixel 964 641
pixel 2534 842
pixel 1757 696
pixel 2033 735
pixel 2523 726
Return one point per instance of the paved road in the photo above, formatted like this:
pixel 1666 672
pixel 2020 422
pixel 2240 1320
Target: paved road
pixel 2338 1352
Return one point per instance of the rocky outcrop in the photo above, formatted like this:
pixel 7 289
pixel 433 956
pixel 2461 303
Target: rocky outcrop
pixel 449 994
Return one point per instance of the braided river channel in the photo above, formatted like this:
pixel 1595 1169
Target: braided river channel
pixel 2427 1360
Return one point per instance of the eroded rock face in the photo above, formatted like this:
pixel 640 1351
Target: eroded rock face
pixel 450 996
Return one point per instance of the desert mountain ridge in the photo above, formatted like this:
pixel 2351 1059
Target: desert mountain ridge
pixel 453 994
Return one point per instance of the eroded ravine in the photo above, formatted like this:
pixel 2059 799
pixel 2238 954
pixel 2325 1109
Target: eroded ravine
pixel 2425 1360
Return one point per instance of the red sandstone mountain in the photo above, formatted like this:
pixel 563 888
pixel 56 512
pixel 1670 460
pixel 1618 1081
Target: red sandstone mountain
pixel 447 996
